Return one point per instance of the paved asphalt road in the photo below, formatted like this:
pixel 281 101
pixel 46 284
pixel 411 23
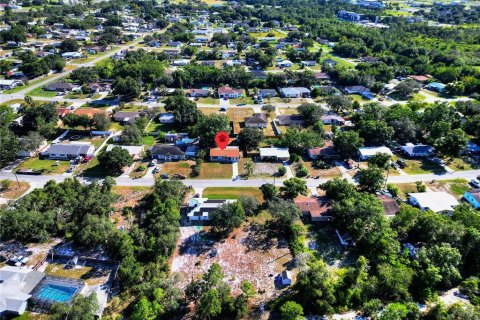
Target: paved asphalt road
pixel 39 181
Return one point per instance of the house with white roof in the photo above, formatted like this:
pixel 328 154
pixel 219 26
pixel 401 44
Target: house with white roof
pixel 367 152
pixel 440 202
pixel 200 208
pixel 277 154
pixel 69 151
pixel 295 92
pixel 16 284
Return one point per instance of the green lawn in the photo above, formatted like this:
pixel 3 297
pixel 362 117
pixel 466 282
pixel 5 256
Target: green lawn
pixel 148 141
pixel 93 169
pixel 422 167
pixel 46 166
pixel 208 100
pixel 232 193
pixel 39 92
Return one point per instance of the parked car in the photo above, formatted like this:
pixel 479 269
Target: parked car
pixel 223 109
pixel 475 183
pixel 178 176
pixel 87 159
pixel 164 176
pixel 156 170
pixel 153 163
pixel 401 163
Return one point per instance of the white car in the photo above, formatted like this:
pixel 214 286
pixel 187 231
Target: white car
pixel 475 183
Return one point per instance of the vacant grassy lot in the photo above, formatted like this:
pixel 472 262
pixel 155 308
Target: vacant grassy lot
pixel 232 193
pixel 213 170
pixel 14 190
pixel 458 164
pixel 456 187
pixel 47 166
pixel 422 167
pixel 323 173
pixel 180 167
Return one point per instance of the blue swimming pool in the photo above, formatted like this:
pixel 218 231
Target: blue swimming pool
pixel 56 293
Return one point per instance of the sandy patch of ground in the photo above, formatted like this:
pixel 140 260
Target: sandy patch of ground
pixel 249 253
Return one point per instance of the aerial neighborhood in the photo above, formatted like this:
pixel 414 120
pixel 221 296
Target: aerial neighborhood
pixel 258 159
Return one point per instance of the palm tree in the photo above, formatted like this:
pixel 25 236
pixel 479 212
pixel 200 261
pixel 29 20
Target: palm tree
pixel 248 168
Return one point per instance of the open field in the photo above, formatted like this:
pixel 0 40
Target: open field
pixel 422 166
pixel 456 187
pixel 232 193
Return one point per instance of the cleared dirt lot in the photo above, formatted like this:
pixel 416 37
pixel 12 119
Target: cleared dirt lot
pixel 249 253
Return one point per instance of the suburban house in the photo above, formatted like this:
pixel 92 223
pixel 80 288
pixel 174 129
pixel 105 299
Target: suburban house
pixel 361 90
pixel 290 120
pixel 295 92
pixel 329 63
pixel 285 64
pixel 419 150
pixel 436 86
pixel 60 87
pixel 166 118
pixel 367 152
pixel 390 205
pixel 472 148
pixel 420 78
pixel 333 119
pixel 126 116
pixel 349 16
pixel 473 197
pixel 62 112
pixel 16 286
pixel 133 151
pixel 9 84
pixel 69 151
pixel 229 154
pixel 198 93
pixel 166 152
pixel 174 136
pixel 309 63
pixel 100 87
pixel 28 153
pixel 322 76
pixel 257 120
pixel 266 93
pixel 316 209
pixel 72 55
pixel 326 152
pixel 200 208
pixel 441 202
pixel 227 92
pixel 274 153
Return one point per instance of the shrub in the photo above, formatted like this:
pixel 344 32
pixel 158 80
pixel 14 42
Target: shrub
pixel 302 171
pixel 420 186
pixel 281 171
pixel 294 157
pixel 393 189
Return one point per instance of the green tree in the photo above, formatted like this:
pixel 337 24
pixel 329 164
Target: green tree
pixel 339 102
pixel 127 87
pixel 248 168
pixel 131 135
pixel 210 305
pixel 311 112
pixel 293 187
pixel 250 138
pixel 85 75
pixel 250 205
pixel 370 179
pixel 115 160
pixel 69 45
pixel 184 110
pixel 380 160
pixel 208 126
pixel 269 191
pixel 285 213
pixel 143 310
pixel 32 141
pixel 347 143
pixel 227 217
pixel 452 143
pixel 81 308
pixel 9 146
pixel 291 310
pixel 400 311
pixel 100 121
pixel 338 189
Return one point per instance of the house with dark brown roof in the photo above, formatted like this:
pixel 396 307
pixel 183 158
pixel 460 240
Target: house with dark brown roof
pixel 227 92
pixel 326 152
pixel 166 152
pixel 390 205
pixel 60 87
pixel 289 120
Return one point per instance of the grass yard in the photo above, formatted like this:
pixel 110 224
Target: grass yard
pixel 323 173
pixel 93 169
pixel 423 166
pixel 10 102
pixel 458 164
pixel 213 170
pixel 115 126
pixel 239 114
pixel 39 92
pixel 456 187
pixel 148 141
pixel 46 166
pixel 27 315
pixel 232 193
pixel 58 270
pixel 209 111
pixel 15 189
pixel 406 188
pixel 208 100
pixel 180 167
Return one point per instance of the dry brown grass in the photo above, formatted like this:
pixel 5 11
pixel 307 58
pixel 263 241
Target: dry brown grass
pixel 323 173
pixel 15 190
pixel 59 270
pixel 213 170
pixel 180 167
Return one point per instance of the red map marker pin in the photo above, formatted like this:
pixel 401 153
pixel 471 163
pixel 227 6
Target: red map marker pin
pixel 222 139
